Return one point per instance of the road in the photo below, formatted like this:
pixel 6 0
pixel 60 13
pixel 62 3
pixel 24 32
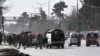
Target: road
pixel 67 51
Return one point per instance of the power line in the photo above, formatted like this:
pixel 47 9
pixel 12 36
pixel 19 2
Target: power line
pixel 41 4
pixel 34 9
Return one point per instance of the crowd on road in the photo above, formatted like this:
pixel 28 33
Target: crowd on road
pixel 25 39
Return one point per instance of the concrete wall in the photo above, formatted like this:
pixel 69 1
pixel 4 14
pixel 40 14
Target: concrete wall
pixel 41 26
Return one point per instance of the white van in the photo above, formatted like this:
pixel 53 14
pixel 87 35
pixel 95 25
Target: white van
pixel 74 39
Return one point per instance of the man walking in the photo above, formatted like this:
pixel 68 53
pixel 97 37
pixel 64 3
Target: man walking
pixel 0 38
pixel 39 41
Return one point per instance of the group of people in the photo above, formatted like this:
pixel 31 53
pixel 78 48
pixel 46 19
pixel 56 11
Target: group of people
pixel 25 39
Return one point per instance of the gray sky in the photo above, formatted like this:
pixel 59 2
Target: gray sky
pixel 19 6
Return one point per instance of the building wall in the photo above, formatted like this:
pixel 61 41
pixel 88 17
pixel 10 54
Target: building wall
pixel 41 26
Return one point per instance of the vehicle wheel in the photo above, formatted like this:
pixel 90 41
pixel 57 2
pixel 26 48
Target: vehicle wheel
pixel 62 46
pixel 40 47
pixel 24 47
pixel 47 46
pixel 50 46
pixel 97 45
pixel 87 45
pixel 79 44
pixel 58 46
pixel 69 45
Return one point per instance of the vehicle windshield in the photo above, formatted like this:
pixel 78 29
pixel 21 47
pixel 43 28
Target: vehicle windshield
pixel 74 35
pixel 92 35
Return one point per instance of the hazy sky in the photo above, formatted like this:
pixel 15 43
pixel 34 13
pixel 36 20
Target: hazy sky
pixel 19 6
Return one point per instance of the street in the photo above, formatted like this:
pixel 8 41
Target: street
pixel 49 23
pixel 67 51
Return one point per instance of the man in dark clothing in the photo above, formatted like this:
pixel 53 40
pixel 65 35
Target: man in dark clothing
pixel 23 40
pixel 39 41
pixel 10 39
pixel 0 38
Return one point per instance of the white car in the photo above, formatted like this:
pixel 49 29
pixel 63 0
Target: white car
pixel 74 39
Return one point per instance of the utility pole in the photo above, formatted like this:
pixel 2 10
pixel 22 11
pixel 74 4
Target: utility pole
pixel 73 7
pixel 48 8
pixel 2 18
pixel 2 26
pixel 89 15
pixel 78 26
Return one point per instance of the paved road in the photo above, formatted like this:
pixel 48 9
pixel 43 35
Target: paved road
pixel 67 51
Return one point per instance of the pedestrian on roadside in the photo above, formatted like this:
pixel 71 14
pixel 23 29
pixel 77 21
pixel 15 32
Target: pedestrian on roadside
pixel 0 38
pixel 39 41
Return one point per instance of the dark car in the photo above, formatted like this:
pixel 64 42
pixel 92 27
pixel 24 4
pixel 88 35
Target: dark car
pixel 92 39
pixel 55 37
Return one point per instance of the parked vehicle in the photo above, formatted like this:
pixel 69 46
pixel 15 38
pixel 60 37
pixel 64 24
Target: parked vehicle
pixel 74 39
pixel 55 37
pixel 92 39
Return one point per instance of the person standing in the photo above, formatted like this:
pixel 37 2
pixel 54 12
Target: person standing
pixel 0 38
pixel 39 41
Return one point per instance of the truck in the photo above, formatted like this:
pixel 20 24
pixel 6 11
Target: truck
pixel 55 37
